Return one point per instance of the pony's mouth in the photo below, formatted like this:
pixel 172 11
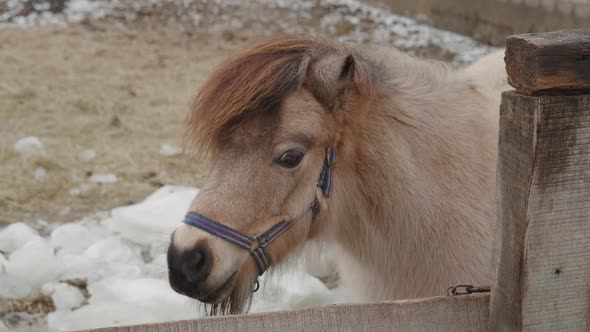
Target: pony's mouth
pixel 217 295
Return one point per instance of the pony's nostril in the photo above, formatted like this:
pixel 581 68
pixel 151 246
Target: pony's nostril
pixel 189 268
pixel 192 266
pixel 195 264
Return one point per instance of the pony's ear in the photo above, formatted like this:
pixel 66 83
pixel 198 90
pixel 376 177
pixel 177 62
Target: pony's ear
pixel 330 77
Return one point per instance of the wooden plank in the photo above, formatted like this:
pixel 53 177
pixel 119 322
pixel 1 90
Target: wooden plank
pixel 513 178
pixel 459 313
pixel 542 244
pixel 549 61
pixel 557 269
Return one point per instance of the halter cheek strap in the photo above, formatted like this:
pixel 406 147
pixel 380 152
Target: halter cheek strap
pixel 255 245
pixel 325 180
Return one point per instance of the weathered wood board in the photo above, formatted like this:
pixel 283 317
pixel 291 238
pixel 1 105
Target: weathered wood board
pixel 558 60
pixel 543 241
pixel 459 313
pixel 513 177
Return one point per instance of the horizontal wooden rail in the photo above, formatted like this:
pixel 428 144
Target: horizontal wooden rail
pixel 538 62
pixel 451 313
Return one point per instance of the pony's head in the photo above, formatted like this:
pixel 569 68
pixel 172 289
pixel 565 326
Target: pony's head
pixel 266 118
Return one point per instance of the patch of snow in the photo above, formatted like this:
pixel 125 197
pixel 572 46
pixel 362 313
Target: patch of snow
pixel 108 257
pixel 103 314
pixel 73 238
pixel 170 150
pixel 67 297
pixel 158 267
pixel 40 173
pixel 81 190
pixel 87 155
pixel 113 249
pixel 170 190
pixel 117 301
pixel 49 287
pixel 103 178
pixel 290 290
pixel 23 322
pixel 343 20
pixel 153 220
pixel 30 146
pixel 34 263
pixel 3 262
pixel 12 287
pixel 75 191
pixel 16 235
pixel 108 253
pixel 146 292
pixel 368 23
pixel 78 10
pixel 75 11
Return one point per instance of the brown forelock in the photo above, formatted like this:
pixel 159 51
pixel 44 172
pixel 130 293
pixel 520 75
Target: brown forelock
pixel 254 80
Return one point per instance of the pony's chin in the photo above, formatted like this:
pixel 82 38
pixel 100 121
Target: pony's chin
pixel 232 299
pixel 221 293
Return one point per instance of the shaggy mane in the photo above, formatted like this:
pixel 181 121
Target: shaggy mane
pixel 255 79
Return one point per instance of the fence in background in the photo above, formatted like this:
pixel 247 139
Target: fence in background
pixel 491 21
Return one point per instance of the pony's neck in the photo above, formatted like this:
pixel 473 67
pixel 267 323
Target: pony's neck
pixel 390 186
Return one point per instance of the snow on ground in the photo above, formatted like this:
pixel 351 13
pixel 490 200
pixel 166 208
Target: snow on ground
pixel 121 257
pixel 29 146
pixel 344 20
pixel 41 12
pixel 170 150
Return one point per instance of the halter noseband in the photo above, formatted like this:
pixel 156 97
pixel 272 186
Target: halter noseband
pixel 255 245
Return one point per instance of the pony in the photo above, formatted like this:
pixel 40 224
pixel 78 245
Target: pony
pixel 407 147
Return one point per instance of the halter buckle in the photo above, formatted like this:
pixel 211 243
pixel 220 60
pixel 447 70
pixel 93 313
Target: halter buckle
pixel 255 245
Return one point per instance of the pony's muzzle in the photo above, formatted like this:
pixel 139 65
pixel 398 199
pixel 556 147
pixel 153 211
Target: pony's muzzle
pixel 189 268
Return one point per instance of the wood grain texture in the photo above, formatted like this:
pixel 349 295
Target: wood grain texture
pixel 460 313
pixel 557 269
pixel 558 60
pixel 516 149
pixel 543 242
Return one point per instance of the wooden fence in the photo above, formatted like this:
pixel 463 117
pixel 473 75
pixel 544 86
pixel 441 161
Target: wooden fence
pixel 542 243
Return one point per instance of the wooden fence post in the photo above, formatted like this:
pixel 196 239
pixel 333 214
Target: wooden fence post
pixel 542 243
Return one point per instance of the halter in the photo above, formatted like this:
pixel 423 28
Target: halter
pixel 255 245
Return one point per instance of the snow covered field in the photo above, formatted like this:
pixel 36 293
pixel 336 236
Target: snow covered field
pixel 347 20
pixel 121 256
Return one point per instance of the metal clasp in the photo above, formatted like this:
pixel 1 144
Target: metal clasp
pixel 255 244
pixel 467 289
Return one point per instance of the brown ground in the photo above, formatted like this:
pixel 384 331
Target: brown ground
pixel 122 92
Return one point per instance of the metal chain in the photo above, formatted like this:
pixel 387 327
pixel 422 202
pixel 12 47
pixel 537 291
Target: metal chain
pixel 467 289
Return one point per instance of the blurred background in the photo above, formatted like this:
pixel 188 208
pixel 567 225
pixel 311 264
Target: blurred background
pixel 93 95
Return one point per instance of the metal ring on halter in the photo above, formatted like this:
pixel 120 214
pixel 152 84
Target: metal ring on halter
pixel 256 286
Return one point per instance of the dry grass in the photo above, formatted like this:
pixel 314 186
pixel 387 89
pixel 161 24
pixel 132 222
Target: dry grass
pixel 97 86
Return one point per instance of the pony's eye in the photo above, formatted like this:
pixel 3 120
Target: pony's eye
pixel 290 159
